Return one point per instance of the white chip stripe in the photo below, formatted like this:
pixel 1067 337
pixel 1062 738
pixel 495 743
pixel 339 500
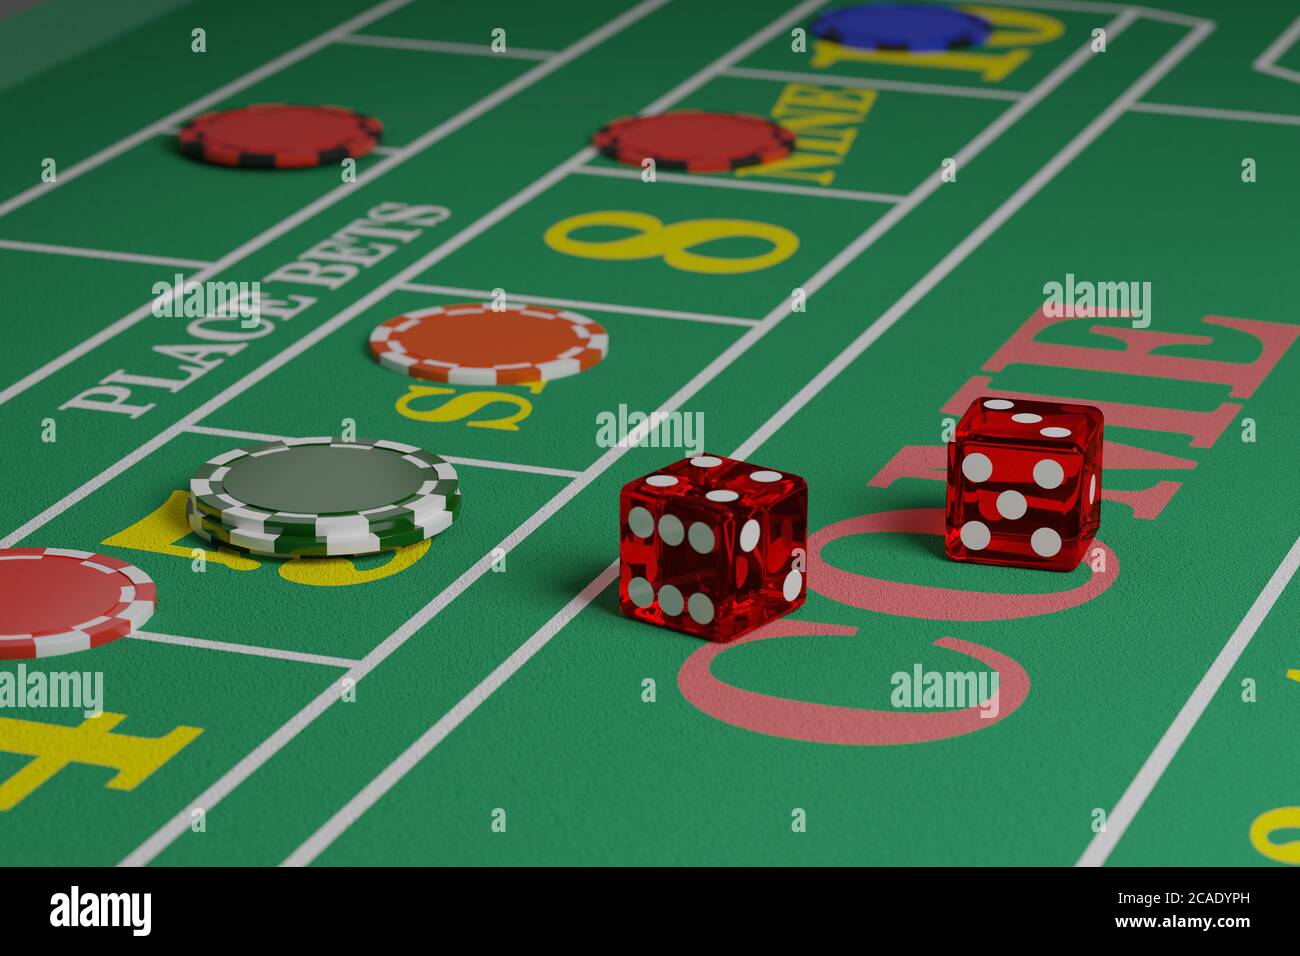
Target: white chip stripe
pixel 55 645
pixel 391 353
pixel 341 533
pixel 422 512
pixel 227 456
pixel 132 610
pixel 264 545
pixel 417 509
pixel 137 611
pixel 135 574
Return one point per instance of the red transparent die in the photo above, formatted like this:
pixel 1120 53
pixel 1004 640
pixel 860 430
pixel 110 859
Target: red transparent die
pixel 712 546
pixel 1024 484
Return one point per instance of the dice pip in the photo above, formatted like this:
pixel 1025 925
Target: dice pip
pixel 1024 484
pixel 712 546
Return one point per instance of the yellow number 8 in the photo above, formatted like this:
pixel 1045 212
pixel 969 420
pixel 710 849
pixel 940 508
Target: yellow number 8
pixel 672 242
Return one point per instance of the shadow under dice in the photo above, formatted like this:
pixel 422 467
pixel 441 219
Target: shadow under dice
pixel 712 546
pixel 1024 484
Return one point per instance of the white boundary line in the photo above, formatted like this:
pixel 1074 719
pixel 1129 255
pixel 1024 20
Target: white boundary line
pixel 314 845
pixel 177 117
pixel 470 462
pixel 180 823
pixel 1124 812
pixel 338 193
pixel 1087 6
pixel 511 466
pixel 371 298
pixel 228 648
pixel 443 46
pixel 754 185
pixel 80 252
pixel 484 295
pixel 1266 62
pixel 1028 189
pixel 1210 112
pixel 895 86
pixel 233 433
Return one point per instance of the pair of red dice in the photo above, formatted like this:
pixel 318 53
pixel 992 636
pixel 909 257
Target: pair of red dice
pixel 716 547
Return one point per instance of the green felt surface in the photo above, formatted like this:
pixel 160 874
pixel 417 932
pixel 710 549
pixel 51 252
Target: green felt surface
pixel 393 709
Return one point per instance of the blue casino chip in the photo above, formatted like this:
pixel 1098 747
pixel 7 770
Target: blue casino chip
pixel 902 26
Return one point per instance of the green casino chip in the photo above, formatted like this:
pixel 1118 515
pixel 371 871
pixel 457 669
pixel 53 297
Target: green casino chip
pixel 287 546
pixel 327 489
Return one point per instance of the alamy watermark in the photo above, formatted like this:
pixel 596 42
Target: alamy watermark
pixel 946 690
pixel 214 300
pixel 623 428
pixel 1085 299
pixel 21 689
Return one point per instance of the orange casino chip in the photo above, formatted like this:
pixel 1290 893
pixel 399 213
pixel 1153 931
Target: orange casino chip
pixel 473 344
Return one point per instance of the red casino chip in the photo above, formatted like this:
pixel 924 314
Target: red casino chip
pixel 56 601
pixel 280 136
pixel 472 344
pixel 695 141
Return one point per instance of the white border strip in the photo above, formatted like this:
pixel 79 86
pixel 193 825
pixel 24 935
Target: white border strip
pixel 469 462
pixel 202 104
pixel 1266 62
pixel 1071 150
pixel 443 46
pixel 394 772
pixel 222 787
pixel 1210 112
pixel 755 185
pixel 229 648
pixel 1119 819
pixel 80 252
pixel 894 86
pixel 409 758
pixel 338 193
pixel 483 295
pixel 1087 6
